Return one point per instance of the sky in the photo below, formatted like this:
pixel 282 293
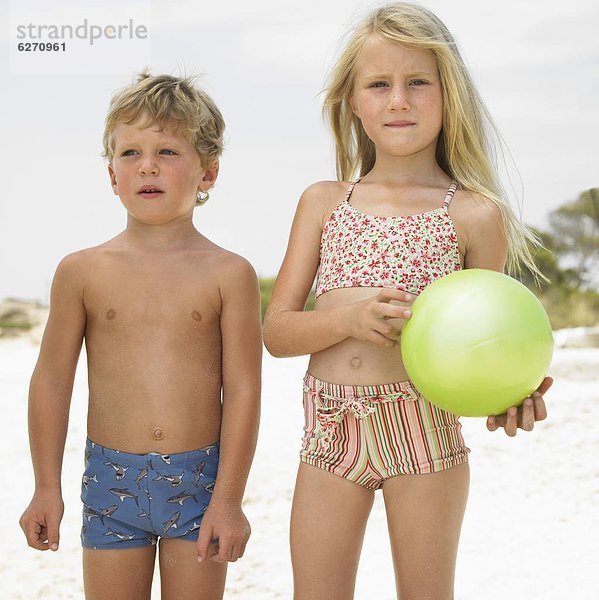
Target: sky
pixel 265 63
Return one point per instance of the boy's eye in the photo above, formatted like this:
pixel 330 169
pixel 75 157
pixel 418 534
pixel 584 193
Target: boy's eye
pixel 127 152
pixel 167 151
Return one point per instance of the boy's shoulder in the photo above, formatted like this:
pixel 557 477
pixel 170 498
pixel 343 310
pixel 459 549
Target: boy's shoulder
pixel 230 262
pixel 73 270
pixel 81 260
pixel 232 274
pixel 224 263
pixel 76 262
pixel 204 255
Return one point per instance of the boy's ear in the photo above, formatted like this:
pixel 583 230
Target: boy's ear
pixel 113 183
pixel 209 177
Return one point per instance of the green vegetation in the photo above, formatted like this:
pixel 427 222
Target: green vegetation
pixel 13 321
pixel 266 286
pixel 570 260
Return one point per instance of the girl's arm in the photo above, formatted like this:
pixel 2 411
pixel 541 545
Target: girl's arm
pixel 486 242
pixel 49 401
pixel 241 370
pixel 486 248
pixel 288 329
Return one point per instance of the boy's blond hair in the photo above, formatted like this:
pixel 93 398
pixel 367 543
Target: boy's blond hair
pixel 468 143
pixel 168 101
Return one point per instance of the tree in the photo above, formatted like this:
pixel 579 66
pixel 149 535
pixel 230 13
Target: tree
pixel 546 259
pixel 576 236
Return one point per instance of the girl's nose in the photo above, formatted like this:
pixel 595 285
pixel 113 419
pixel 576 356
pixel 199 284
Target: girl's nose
pixel 399 99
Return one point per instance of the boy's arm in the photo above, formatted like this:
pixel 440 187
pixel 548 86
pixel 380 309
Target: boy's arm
pixel 49 400
pixel 241 375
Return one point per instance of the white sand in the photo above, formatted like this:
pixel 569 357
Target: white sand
pixel 531 529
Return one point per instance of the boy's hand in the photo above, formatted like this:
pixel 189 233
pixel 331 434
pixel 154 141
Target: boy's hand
pixel 523 417
pixel 41 521
pixel 224 532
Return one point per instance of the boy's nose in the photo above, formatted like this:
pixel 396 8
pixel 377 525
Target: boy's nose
pixel 148 168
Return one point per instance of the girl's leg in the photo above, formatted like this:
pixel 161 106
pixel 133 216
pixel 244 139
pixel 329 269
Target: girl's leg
pixel 183 577
pixel 424 515
pixel 328 521
pixel 124 574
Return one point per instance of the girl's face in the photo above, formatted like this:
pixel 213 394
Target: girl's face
pixel 156 173
pixel 398 98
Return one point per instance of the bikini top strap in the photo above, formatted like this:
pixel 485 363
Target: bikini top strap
pixel 350 189
pixel 450 192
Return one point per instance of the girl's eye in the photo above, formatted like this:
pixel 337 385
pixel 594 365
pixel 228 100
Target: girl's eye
pixel 167 152
pixel 418 82
pixel 378 84
pixel 127 152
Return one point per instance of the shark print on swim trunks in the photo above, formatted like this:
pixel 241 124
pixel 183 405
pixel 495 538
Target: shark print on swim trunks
pixel 130 500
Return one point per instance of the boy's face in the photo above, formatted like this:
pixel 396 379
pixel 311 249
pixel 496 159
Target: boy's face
pixel 157 173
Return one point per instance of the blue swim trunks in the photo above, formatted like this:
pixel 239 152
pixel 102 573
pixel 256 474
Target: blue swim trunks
pixel 130 500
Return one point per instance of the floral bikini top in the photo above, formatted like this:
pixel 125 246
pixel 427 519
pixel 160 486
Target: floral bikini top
pixel 408 253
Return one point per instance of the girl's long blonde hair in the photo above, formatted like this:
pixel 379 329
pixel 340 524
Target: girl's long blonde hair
pixel 469 141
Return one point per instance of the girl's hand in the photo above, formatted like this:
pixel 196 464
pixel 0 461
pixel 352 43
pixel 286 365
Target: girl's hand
pixel 369 319
pixel 524 416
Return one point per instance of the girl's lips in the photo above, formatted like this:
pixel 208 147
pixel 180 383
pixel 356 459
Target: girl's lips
pixel 399 124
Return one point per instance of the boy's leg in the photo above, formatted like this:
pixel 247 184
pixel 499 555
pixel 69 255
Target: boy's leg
pixel 328 522
pixel 123 574
pixel 424 515
pixel 183 577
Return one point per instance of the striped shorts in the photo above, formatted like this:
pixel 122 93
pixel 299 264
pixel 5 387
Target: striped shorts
pixel 368 434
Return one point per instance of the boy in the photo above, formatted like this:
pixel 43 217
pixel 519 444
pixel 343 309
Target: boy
pixel 169 320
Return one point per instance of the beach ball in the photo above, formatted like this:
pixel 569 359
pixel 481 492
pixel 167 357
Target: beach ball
pixel 477 343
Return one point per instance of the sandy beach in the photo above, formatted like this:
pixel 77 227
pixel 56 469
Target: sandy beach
pixel 531 529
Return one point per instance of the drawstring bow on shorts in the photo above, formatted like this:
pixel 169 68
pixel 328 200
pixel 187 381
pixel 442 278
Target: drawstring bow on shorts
pixel 329 417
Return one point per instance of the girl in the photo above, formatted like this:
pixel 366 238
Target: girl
pixel 406 118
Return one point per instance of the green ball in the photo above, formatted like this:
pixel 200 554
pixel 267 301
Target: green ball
pixel 477 343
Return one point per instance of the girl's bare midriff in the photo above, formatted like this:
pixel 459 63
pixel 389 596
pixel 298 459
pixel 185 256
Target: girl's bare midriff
pixel 352 361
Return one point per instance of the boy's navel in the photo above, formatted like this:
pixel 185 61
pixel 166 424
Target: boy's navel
pixel 196 316
pixel 111 314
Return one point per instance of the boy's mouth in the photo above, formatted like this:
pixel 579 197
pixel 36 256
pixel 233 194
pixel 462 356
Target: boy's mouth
pixel 149 191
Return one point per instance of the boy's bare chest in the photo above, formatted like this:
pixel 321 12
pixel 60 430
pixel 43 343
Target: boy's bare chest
pixel 168 296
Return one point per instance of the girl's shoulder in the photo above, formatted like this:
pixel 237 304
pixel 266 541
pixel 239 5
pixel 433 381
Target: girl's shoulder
pixel 481 229
pixel 473 209
pixel 320 199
